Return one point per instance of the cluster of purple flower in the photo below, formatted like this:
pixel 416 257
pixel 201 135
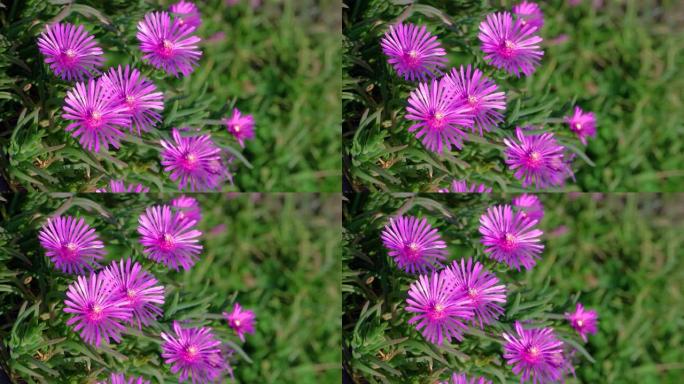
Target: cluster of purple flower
pixel 101 109
pixel 447 301
pixel 444 109
pixel 105 302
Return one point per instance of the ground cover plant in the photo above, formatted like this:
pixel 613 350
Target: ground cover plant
pixel 256 81
pixel 616 254
pixel 237 286
pixel 613 59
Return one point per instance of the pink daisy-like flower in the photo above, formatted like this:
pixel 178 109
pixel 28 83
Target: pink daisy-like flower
pixel 510 237
pixel 468 86
pixel 413 51
pixel 98 314
pixel 187 206
pixel 583 124
pixel 530 206
pixel 169 238
pixel 138 288
pixel 437 118
pixel 240 126
pixel 241 321
pixel 529 13
pixel 194 161
pixel 118 186
pixel 70 51
pixel 119 378
pixel 97 118
pixel 584 322
pixel 472 281
pixel 461 186
pixel 194 352
pixel 71 244
pixel 537 159
pixel 536 353
pixel 461 378
pixel 439 315
pixel 139 95
pixel 168 45
pixel 414 245
pixel 509 45
pixel 187 13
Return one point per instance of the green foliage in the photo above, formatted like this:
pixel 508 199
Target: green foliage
pixel 279 61
pixel 621 77
pixel 618 254
pixel 277 255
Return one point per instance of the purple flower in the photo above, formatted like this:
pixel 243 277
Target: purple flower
pixel 510 237
pixel 240 126
pixel 461 186
pixel 118 186
pixel 96 117
pixel 413 51
pixel 139 95
pixel 71 244
pixel 583 321
pixel 509 45
pixel 469 87
pixel 70 51
pixel 186 13
pixel 194 352
pixel 463 379
pixel 138 288
pixel 583 124
pixel 119 378
pixel 414 245
pixel 537 159
pixel 168 45
pixel 194 161
pixel 187 206
pixel 529 13
pixel 530 206
pixel 99 315
pixel 437 118
pixel 168 238
pixel 474 282
pixel 440 316
pixel 536 353
pixel 241 321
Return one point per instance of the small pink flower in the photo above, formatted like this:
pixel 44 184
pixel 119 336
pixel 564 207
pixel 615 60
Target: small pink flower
pixel 240 126
pixel 242 321
pixel 70 51
pixel 583 321
pixel 582 124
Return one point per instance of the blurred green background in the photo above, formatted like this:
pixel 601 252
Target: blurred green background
pixel 277 254
pixel 620 254
pixel 279 61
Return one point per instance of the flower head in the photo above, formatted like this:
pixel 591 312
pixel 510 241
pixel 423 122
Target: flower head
pixel 510 237
pixel 461 186
pixel 461 378
pixel 438 120
pixel 536 353
pixel 119 378
pixel 439 315
pixel 530 206
pixel 187 206
pixel 138 288
pixel 137 94
pixel 194 161
pixel 194 352
pixel 71 244
pixel 414 245
pixel 472 281
pixel 169 238
pixel 118 186
pixel 96 117
pixel 413 51
pixel 583 124
pixel 512 46
pixel 582 321
pixel 98 314
pixel 70 51
pixel 537 159
pixel 242 321
pixel 529 13
pixel 468 86
pixel 167 44
pixel 187 13
pixel 240 126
